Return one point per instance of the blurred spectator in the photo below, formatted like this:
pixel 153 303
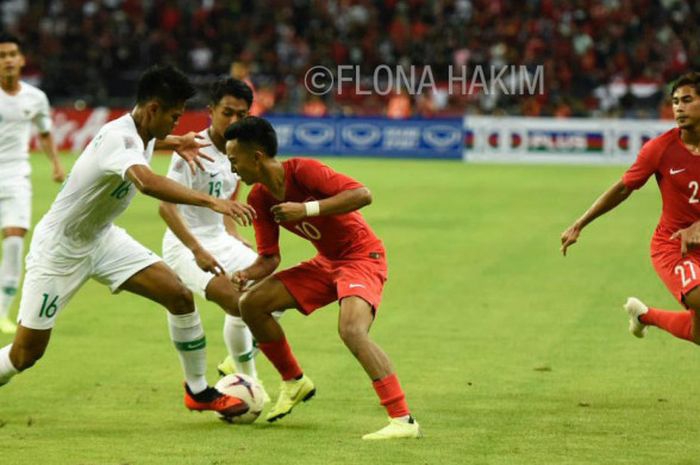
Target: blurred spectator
pixel 600 57
pixel 314 107
pixel 399 105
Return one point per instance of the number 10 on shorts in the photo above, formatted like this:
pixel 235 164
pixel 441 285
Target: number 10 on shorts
pixel 686 277
pixel 48 306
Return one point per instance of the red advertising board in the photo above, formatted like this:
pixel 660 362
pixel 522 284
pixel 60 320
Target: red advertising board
pixel 74 129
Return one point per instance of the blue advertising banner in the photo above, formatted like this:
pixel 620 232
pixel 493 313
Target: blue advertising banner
pixel 370 137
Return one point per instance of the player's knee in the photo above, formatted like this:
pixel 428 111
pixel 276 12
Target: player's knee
pixel 180 300
pixel 249 306
pixel 351 334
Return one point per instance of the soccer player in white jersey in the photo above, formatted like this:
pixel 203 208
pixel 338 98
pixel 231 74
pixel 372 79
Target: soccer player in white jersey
pixel 77 240
pixel 203 246
pixel 21 105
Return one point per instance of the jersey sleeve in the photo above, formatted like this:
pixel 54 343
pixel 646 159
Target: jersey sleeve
pixel 267 232
pixel 179 171
pixel 322 179
pixel 646 164
pixel 42 118
pixel 119 152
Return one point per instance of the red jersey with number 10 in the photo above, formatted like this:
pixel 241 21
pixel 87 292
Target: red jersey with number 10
pixel 677 173
pixel 334 236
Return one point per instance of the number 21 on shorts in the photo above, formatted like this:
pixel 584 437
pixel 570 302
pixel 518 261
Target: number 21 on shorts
pixel 686 270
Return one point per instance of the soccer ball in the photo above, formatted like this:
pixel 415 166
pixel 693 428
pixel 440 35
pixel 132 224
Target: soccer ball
pixel 248 390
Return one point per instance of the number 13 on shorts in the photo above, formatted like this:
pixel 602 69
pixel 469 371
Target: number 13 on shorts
pixel 687 272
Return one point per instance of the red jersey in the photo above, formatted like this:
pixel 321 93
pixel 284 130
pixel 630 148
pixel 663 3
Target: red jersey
pixel 334 236
pixel 677 173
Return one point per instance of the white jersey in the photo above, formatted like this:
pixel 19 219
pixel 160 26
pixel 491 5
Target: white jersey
pixel 96 191
pixel 17 113
pixel 216 180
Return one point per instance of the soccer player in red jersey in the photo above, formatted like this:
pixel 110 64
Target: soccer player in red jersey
pixel 674 159
pixel 320 205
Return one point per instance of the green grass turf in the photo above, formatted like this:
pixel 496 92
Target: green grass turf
pixel 509 353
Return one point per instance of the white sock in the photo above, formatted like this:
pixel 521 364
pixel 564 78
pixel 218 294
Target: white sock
pixel 188 335
pixel 239 342
pixel 7 369
pixel 10 271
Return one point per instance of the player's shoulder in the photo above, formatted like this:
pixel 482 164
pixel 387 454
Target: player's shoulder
pixel 303 167
pixel 29 89
pixel 300 162
pixel 662 141
pixel 32 92
pixel 121 133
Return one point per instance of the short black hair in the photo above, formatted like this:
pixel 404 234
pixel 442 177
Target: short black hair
pixel 688 79
pixel 6 37
pixel 254 130
pixel 230 86
pixel 165 83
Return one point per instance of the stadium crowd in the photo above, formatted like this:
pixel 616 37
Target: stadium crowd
pixel 600 57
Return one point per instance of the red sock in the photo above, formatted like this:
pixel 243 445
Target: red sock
pixel 680 324
pixel 280 355
pixel 391 396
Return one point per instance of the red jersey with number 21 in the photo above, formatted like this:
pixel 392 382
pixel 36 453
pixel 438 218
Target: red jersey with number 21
pixel 336 237
pixel 677 173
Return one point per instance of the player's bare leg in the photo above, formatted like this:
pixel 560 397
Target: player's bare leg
pixel 692 300
pixel 257 306
pixel 237 336
pixel 27 348
pixel 10 274
pixel 354 323
pixel 160 284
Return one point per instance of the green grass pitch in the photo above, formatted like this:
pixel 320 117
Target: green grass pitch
pixel 508 353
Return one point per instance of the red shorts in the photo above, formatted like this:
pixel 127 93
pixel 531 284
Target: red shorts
pixel 320 281
pixel 680 274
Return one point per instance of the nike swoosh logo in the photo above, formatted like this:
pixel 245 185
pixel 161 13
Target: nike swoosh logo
pixel 355 285
pixel 672 171
pixel 213 175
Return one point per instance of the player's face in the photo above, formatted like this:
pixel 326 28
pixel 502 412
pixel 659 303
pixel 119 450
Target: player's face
pixel 163 120
pixel 244 161
pixel 686 107
pixel 11 60
pixel 228 111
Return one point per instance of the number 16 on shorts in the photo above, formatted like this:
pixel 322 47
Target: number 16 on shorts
pixel 48 306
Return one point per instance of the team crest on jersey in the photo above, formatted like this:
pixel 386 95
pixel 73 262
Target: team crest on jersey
pixel 129 142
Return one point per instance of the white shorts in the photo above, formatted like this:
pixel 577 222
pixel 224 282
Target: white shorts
pixel 52 280
pixel 16 206
pixel 231 253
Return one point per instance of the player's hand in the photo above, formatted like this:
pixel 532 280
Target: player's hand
pixel 58 174
pixel 569 237
pixel 690 237
pixel 189 146
pixel 288 211
pixel 207 262
pixel 239 280
pixel 242 213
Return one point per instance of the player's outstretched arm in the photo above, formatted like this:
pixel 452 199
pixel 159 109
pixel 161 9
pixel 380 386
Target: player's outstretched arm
pixel 188 146
pixel 343 202
pixel 165 189
pixel 610 199
pixel 262 267
pixel 205 260
pixel 49 148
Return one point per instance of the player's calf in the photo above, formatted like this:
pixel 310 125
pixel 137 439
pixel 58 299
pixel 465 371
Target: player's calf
pixel 28 347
